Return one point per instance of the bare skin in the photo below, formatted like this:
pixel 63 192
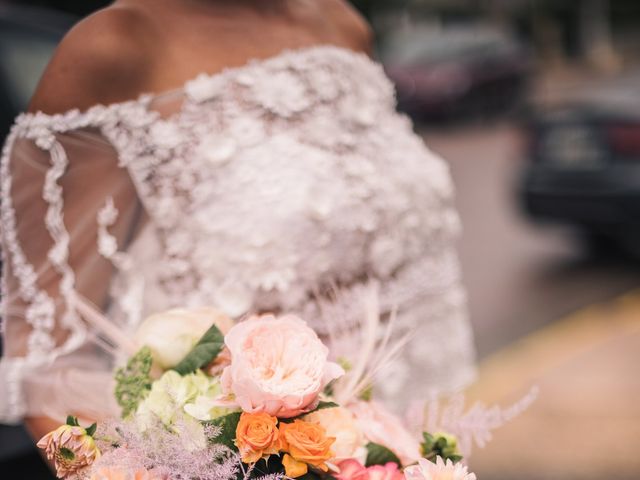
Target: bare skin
pixel 152 46
pixel 137 46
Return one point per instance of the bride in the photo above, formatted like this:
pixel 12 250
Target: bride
pixel 239 154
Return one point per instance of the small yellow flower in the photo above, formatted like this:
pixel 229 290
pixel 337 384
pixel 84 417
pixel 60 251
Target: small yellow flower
pixel 71 448
pixel 294 468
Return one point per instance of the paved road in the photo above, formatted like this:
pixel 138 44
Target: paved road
pixel 579 339
pixel 519 276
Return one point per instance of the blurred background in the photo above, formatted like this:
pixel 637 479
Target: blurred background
pixel 535 104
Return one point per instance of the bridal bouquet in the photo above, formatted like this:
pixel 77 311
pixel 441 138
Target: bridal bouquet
pixel 209 399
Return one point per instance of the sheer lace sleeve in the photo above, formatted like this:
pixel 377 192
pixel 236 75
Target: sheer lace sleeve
pixel 66 206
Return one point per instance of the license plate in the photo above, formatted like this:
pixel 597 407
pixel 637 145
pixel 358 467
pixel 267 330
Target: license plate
pixel 572 146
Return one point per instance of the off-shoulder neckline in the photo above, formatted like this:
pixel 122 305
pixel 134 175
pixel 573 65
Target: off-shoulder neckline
pixel 145 98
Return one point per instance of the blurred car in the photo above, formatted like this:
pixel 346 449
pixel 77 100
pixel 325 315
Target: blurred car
pixel 584 163
pixel 28 37
pixel 453 71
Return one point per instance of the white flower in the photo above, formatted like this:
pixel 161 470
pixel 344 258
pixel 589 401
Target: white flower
pixel 206 407
pixel 204 87
pixel 247 130
pixel 283 94
pixel 173 395
pixel 441 470
pixel 172 334
pixel 326 84
pixel 217 150
pixel 165 134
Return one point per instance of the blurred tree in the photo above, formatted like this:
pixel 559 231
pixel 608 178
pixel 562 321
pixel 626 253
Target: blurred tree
pixel 595 34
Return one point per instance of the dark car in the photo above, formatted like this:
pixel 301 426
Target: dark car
pixel 452 71
pixel 584 167
pixel 28 37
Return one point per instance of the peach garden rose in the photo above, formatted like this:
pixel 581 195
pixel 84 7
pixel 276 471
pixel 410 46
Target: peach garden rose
pixel 340 423
pixel 278 366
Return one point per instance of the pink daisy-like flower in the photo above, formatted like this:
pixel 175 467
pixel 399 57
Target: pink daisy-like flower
pixel 71 448
pixel 441 470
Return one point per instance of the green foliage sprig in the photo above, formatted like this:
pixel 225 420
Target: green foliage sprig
pixel 133 382
pixel 440 445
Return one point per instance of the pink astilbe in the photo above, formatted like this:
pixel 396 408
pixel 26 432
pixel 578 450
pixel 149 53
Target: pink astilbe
pixel 164 452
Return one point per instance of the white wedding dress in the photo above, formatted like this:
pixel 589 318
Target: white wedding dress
pixel 253 189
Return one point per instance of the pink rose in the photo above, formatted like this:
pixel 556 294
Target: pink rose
pixel 389 471
pixel 278 366
pixel 354 470
pixel 384 428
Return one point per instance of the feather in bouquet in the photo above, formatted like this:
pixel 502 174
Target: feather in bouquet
pixel 209 399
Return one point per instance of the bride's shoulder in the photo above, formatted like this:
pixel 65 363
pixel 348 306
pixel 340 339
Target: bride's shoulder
pixel 105 58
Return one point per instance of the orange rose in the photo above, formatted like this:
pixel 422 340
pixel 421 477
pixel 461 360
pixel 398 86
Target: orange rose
pixel 306 444
pixel 257 435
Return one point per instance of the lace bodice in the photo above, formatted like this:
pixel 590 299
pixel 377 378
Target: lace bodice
pixel 258 188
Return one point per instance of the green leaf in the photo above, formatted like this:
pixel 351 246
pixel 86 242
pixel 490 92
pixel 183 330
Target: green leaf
pixel 133 382
pixel 203 353
pixel 323 405
pixel 67 453
pixel 72 421
pixel 92 429
pixel 228 425
pixel 380 455
pixel 269 466
pixel 427 444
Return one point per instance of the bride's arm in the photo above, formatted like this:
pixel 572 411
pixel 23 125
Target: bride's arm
pixel 50 208
pixel 98 62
